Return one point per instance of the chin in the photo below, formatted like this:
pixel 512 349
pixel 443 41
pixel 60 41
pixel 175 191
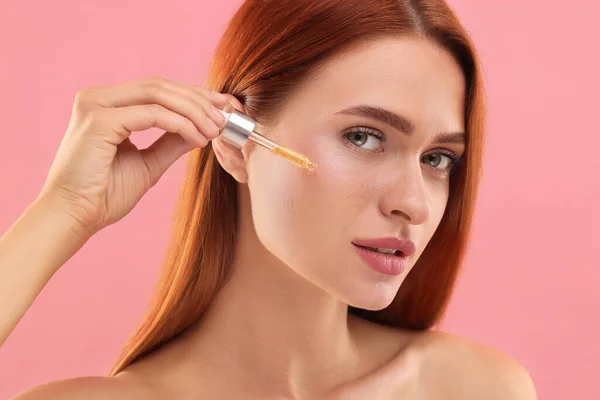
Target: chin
pixel 374 296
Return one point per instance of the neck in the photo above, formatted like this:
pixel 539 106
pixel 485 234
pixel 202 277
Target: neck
pixel 271 329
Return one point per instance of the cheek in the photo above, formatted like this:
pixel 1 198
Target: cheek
pixel 297 212
pixel 280 202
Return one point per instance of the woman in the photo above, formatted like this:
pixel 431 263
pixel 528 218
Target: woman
pixel 275 283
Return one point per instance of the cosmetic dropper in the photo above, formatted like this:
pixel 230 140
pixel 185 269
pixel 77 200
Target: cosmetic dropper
pixel 239 128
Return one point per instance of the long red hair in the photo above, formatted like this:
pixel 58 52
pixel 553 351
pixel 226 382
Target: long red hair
pixel 268 48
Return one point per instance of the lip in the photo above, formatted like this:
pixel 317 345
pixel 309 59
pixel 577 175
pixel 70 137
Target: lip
pixel 388 264
pixel 405 246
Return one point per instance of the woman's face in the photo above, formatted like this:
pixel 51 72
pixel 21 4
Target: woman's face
pixel 384 123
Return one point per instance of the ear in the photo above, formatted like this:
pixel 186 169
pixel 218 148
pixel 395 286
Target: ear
pixel 231 159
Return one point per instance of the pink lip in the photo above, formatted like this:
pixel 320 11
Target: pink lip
pixel 385 263
pixel 405 246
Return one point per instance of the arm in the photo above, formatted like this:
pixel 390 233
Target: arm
pixel 31 251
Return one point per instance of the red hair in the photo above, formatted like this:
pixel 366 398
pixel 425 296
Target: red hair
pixel 268 48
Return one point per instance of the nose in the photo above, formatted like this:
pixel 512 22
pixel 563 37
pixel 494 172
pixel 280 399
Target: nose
pixel 405 197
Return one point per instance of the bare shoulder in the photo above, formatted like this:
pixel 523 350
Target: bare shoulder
pixel 469 370
pixel 90 388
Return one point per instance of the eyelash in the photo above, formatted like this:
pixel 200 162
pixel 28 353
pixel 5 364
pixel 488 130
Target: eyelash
pixel 454 159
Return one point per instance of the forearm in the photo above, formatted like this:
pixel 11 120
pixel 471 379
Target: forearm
pixel 31 251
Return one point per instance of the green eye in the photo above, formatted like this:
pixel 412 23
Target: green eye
pixel 358 138
pixel 443 161
pixel 361 138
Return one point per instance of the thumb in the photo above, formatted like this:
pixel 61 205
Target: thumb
pixel 161 154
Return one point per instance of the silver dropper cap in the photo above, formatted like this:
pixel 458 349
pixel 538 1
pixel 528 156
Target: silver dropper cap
pixel 238 127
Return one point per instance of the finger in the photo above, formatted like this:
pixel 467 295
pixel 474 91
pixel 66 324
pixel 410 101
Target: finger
pixel 205 98
pixel 120 100
pixel 190 104
pixel 220 100
pixel 113 95
pixel 236 103
pixel 197 93
pixel 212 94
pixel 125 120
pixel 161 154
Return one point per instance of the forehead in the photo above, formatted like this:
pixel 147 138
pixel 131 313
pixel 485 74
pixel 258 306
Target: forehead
pixel 408 75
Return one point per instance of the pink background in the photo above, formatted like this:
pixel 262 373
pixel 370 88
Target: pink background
pixel 530 283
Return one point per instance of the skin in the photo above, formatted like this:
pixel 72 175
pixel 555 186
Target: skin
pixel 280 327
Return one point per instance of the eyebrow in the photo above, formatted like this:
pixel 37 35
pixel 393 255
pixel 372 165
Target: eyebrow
pixel 399 122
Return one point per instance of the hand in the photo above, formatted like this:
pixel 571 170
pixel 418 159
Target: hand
pixel 98 174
